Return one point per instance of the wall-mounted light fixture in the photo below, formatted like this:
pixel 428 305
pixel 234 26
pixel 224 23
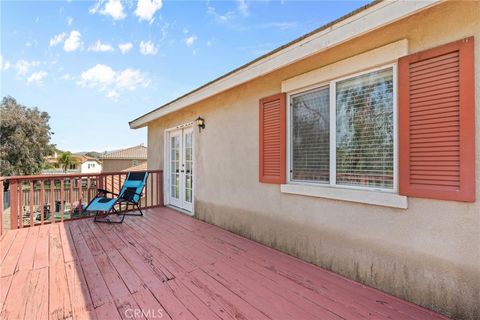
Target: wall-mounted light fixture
pixel 200 123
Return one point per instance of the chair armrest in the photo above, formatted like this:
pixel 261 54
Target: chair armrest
pixel 106 191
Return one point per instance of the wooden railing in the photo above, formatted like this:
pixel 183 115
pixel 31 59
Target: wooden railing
pixel 41 199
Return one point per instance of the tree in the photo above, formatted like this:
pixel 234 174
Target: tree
pixel 24 138
pixel 66 159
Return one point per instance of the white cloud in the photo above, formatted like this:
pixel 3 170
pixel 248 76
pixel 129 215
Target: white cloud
pixel 112 94
pixel 209 43
pixel 164 31
pixel 278 25
pixel 100 75
pixel 130 79
pixel 190 40
pixel 67 77
pixel 222 18
pixel 241 10
pixel 22 66
pixel 148 48
pixel 73 42
pixel 125 47
pixel 110 81
pixel 113 8
pixel 57 39
pixel 242 7
pixel 98 46
pixel 69 21
pixel 37 77
pixel 146 9
pixel 4 65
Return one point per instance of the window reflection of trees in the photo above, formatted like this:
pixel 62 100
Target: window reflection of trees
pixel 365 130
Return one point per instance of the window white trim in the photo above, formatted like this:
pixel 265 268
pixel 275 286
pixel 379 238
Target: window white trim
pixel 343 192
pixel 386 199
pixel 364 61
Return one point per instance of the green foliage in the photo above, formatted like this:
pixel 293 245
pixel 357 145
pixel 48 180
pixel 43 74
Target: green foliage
pixel 24 138
pixel 66 159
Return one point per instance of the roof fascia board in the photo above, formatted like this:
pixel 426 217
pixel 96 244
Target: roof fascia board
pixel 372 18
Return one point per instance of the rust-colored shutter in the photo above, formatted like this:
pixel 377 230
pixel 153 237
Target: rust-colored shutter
pixel 272 139
pixel 437 123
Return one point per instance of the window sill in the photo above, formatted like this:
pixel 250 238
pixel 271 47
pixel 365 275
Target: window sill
pixel 362 196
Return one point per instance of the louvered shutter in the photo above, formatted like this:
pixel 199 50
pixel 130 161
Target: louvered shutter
pixel 272 139
pixel 436 123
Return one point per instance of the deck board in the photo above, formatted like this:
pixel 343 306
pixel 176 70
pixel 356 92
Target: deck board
pixel 171 264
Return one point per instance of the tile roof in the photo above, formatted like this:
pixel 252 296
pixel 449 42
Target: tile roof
pixel 139 167
pixel 138 152
pixel 82 158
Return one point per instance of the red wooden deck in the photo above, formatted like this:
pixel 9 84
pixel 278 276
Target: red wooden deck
pixel 171 266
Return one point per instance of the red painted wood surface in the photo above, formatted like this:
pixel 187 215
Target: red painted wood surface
pixel 272 139
pixel 437 123
pixel 170 264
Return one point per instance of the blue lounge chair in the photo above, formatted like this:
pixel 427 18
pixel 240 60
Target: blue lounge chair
pixel 131 193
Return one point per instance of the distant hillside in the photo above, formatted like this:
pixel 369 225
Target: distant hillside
pixel 93 154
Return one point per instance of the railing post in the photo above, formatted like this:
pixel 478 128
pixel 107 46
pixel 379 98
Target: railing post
pixel 80 195
pixel 21 203
pixel 31 200
pixel 52 200
pixel 153 201
pixel 160 188
pixel 13 205
pixel 42 201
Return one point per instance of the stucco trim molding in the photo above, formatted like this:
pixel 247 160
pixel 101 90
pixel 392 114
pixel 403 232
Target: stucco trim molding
pixel 337 193
pixel 367 60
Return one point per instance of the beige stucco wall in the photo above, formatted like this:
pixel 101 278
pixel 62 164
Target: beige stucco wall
pixel 114 165
pixel 428 254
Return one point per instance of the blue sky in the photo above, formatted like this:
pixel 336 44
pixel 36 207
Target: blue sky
pixel 95 65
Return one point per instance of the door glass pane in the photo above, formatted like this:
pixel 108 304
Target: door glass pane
pixel 175 167
pixel 364 137
pixel 188 166
pixel 310 136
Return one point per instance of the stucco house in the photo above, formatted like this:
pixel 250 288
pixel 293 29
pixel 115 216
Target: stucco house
pixel 122 159
pixel 89 164
pixel 353 147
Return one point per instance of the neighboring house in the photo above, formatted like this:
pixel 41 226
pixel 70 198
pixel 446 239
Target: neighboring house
pixel 83 164
pixel 89 165
pixel 120 160
pixel 352 147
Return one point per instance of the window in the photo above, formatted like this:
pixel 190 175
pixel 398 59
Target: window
pixel 342 134
pixel 310 136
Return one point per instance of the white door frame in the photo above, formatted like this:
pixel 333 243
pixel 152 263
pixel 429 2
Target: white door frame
pixel 166 165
